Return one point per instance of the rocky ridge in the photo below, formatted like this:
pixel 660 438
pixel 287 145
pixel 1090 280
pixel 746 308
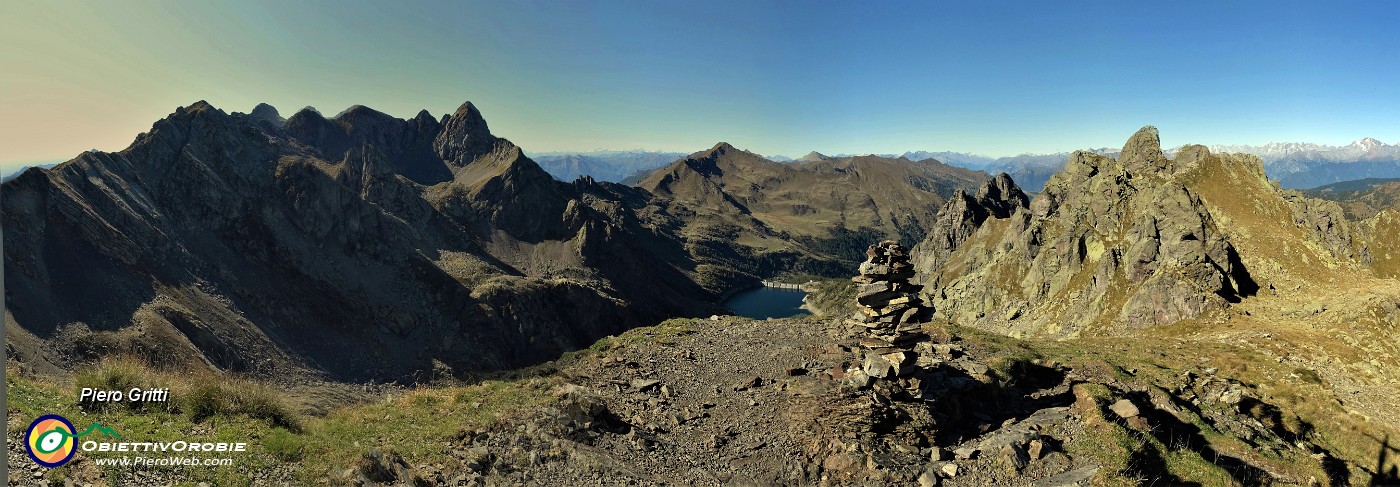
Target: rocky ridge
pixel 248 243
pixel 1245 305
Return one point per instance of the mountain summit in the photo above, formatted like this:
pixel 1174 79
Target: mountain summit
pixel 267 113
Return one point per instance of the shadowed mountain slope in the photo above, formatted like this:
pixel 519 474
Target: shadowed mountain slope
pixel 361 246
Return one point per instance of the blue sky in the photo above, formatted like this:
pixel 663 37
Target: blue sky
pixel 772 77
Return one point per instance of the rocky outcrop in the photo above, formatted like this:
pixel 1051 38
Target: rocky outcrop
pixel 998 198
pixel 464 136
pixel 1108 243
pixel 1326 223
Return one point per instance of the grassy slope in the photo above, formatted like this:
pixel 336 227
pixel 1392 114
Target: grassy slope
pixel 414 423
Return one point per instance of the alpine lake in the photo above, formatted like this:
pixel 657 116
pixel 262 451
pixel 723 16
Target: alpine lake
pixel 766 302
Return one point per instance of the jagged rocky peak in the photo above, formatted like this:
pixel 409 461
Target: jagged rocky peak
pixel 814 156
pixel 962 215
pixel 308 110
pixel 1143 152
pixel 424 119
pixel 357 111
pixel 307 117
pixel 464 136
pixel 1001 196
pixel 169 135
pixel 198 106
pixel 192 111
pixel 1108 250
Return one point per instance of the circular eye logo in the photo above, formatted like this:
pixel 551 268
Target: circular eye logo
pixel 51 440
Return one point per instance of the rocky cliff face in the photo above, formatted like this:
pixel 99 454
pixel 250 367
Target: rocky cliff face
pixel 272 246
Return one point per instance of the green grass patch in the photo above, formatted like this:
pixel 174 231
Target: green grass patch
pixel 29 397
pixel 415 423
pixel 418 423
pixel 284 445
pixel 207 399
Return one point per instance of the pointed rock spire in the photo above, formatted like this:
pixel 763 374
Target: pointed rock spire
pixel 464 136
pixel 424 118
pixel 1001 196
pixel 1143 151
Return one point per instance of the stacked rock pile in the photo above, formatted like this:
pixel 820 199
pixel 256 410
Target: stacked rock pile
pixel 889 311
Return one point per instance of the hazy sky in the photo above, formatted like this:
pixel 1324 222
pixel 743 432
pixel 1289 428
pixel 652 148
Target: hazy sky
pixel 778 78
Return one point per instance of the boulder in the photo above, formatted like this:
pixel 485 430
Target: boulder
pixel 1124 409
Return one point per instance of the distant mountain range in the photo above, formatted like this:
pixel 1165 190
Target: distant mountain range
pixel 362 248
pixel 610 166
pixel 273 246
pixel 613 166
pixel 1296 165
pixel 1306 165
pixel 22 169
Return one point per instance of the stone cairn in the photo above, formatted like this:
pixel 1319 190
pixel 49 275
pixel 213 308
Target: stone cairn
pixel 889 311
